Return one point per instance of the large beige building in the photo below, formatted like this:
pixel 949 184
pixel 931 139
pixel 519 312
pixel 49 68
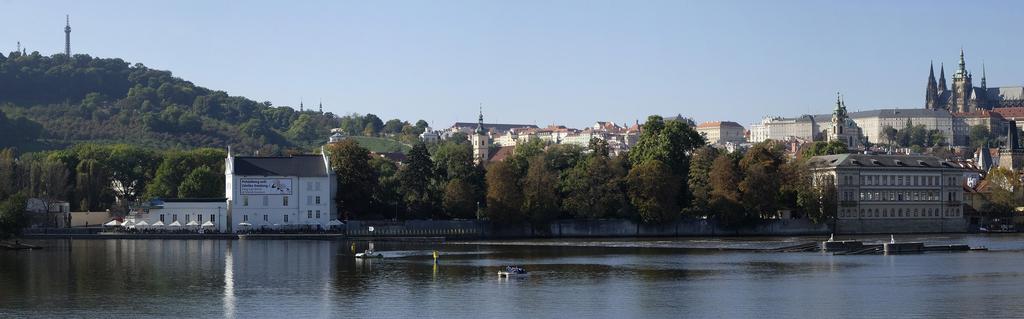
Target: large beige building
pixel 722 132
pixel 874 122
pixel 804 127
pixel 893 193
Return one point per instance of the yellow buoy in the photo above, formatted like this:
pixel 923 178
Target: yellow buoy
pixel 435 256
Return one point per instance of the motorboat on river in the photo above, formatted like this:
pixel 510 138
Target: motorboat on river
pixel 368 253
pixel 512 271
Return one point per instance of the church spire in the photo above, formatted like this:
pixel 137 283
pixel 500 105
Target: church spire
pixel 931 73
pixel 67 36
pixel 301 107
pixel 932 91
pixel 480 121
pixel 983 85
pixel 321 106
pixel 963 65
pixel 942 76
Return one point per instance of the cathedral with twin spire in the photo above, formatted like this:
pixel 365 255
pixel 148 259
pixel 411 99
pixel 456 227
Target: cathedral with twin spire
pixel 963 96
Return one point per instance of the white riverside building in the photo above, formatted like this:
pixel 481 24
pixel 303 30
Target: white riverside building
pixel 183 211
pixel 893 193
pixel 280 192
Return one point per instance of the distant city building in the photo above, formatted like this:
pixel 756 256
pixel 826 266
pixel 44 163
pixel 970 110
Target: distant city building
pixel 963 96
pixel 874 122
pixel 280 192
pixel 842 128
pixel 680 118
pixel 893 193
pixel 430 136
pixel 481 141
pixel 804 127
pixel 722 132
pixel 1011 156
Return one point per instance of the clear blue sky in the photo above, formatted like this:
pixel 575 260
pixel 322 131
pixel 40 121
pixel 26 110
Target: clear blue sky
pixel 543 62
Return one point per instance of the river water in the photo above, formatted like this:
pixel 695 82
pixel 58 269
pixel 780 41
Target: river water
pixel 655 278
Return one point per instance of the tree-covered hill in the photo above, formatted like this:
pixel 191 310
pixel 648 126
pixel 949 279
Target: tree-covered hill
pixel 64 101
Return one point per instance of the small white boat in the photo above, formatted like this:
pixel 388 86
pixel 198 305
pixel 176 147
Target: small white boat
pixel 512 271
pixel 369 254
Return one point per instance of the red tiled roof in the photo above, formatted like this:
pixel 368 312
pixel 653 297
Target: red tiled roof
pixel 502 153
pixel 1009 112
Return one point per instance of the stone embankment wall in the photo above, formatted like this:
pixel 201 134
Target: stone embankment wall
pixel 579 228
pixel 901 226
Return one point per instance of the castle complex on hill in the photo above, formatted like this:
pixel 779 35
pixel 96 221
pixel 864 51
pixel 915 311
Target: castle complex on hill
pixel 963 96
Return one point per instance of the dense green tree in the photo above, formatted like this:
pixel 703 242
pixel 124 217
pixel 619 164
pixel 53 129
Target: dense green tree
pixel 202 182
pixel 1007 192
pixel 12 216
pixel 387 201
pixel 176 165
pixel 653 190
pixel 131 168
pixel 93 183
pixel 27 130
pixel 725 197
pixel 357 180
pixel 671 143
pixel 823 148
pixel 761 184
pixel 504 194
pixel 415 179
pixel 595 188
pixel 303 130
pixel 373 125
pixel 540 192
pixel 47 179
pixel 459 199
pixel 394 126
pixel 699 176
pixel 8 173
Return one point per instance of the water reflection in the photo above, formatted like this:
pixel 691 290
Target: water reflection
pixel 266 278
pixel 229 284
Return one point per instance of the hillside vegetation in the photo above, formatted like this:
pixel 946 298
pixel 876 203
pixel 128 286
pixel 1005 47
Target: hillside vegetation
pixel 53 102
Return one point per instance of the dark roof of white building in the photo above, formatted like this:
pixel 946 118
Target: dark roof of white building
pixel 296 165
pixel 880 161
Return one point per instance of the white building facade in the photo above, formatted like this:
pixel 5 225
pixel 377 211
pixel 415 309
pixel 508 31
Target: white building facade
pixel 804 128
pixel 183 211
pixel 723 132
pixel 893 193
pixel 280 192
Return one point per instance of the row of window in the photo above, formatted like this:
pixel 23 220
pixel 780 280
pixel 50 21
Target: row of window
pixel 213 217
pixel 899 212
pixel 188 218
pixel 266 217
pixel 310 200
pixel 900 180
pixel 903 196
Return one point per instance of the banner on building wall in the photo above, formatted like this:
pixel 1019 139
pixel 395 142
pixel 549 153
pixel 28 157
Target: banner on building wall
pixel 265 186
